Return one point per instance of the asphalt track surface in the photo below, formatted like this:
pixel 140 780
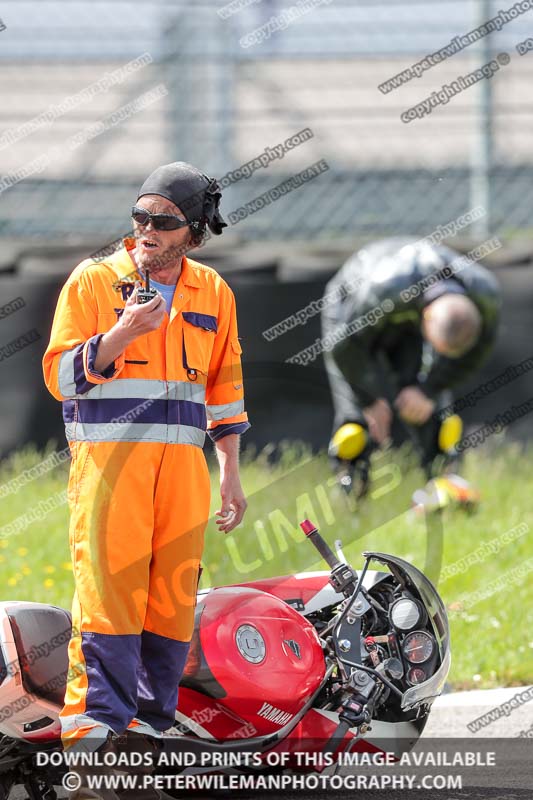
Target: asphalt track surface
pixel 449 718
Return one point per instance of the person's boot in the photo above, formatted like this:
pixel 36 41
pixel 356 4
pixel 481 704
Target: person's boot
pixel 84 773
pixel 148 746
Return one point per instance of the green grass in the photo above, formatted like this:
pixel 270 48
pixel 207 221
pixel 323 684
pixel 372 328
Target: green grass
pixel 492 639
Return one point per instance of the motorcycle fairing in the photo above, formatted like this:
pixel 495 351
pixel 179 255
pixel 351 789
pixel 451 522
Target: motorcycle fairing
pixel 391 737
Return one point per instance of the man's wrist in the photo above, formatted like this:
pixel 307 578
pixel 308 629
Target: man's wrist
pixel 120 335
pixel 117 338
pixel 110 347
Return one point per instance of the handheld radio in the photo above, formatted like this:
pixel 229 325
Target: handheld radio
pixel 146 294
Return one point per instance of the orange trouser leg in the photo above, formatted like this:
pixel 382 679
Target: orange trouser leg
pixel 181 512
pixel 111 498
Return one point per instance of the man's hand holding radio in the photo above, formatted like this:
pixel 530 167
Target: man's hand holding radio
pixel 136 320
pixel 140 318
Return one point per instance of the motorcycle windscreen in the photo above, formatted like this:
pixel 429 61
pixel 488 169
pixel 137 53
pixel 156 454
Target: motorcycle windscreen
pixel 438 618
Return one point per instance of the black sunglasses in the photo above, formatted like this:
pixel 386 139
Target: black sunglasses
pixel 161 222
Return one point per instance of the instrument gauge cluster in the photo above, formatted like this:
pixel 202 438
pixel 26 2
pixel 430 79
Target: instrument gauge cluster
pixel 419 650
pixel 418 647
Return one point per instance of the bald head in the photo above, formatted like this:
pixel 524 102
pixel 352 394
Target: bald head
pixel 452 324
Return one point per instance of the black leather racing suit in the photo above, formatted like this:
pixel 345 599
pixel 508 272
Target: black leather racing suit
pixel 371 328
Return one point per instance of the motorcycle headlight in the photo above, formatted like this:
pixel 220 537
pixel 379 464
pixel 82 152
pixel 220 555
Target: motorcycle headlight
pixel 405 614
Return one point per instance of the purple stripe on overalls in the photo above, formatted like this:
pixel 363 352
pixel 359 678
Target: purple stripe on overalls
pixel 131 409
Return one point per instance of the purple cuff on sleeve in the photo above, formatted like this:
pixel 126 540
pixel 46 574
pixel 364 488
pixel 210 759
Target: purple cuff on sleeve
pixel 92 349
pixel 223 430
pixel 80 381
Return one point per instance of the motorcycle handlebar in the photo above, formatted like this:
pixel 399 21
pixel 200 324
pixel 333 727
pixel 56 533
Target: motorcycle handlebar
pixel 321 545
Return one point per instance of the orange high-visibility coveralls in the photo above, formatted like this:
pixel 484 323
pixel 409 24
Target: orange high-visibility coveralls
pixel 139 491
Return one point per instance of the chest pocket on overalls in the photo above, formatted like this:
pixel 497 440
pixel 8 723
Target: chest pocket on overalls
pixel 198 338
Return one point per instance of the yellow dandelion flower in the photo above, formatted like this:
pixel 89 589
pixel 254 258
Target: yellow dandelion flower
pixel 11 581
pixel 4 543
pixel 48 583
pixel 49 569
pixel 23 551
pixel 25 569
pixel 67 565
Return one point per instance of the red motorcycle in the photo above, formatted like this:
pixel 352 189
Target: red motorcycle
pixel 316 663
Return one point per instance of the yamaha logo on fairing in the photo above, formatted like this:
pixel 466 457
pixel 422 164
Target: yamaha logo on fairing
pixel 295 647
pixel 273 714
pixel 250 643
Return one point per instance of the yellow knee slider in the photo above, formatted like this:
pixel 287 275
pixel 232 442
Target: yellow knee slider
pixel 348 442
pixel 450 433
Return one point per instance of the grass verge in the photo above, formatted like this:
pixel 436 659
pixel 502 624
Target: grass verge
pixel 483 562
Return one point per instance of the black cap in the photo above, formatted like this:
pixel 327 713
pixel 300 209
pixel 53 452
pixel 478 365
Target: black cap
pixel 196 195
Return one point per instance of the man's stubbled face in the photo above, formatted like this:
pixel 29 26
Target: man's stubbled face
pixel 160 251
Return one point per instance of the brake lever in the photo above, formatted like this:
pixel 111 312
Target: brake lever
pixel 338 550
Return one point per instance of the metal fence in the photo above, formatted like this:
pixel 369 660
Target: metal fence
pixel 405 134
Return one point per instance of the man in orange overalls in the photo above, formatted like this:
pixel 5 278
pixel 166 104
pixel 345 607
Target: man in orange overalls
pixel 140 382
